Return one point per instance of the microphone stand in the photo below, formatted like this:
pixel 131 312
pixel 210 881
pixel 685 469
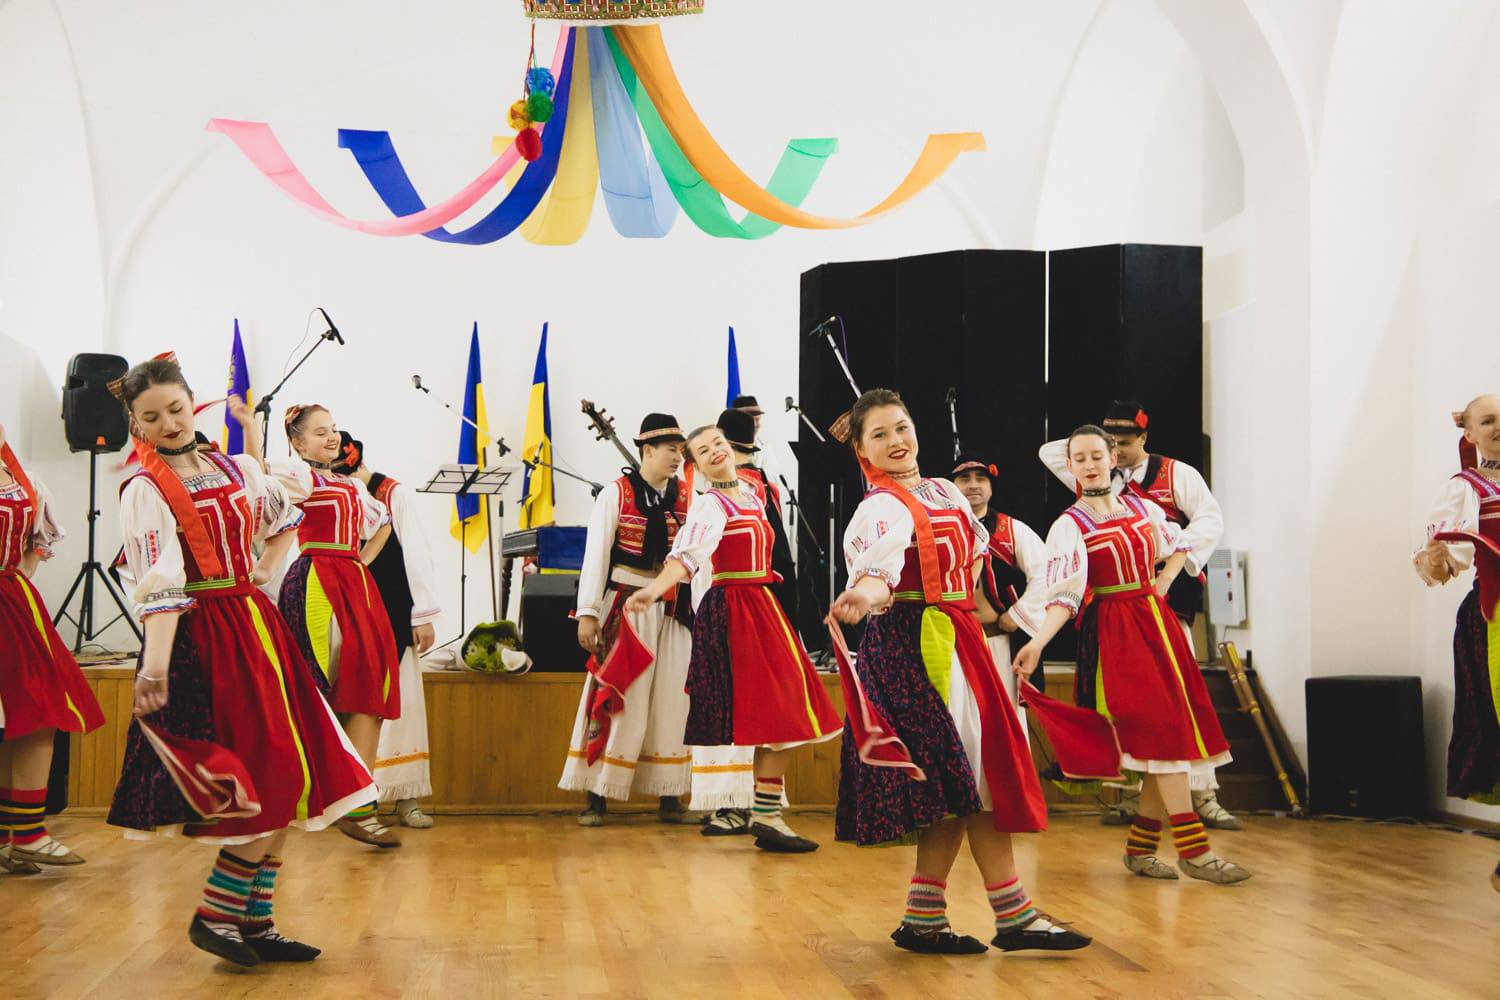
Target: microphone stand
pixel 824 329
pixel 537 463
pixel 264 405
pixel 810 425
pixel 952 399
pixel 796 506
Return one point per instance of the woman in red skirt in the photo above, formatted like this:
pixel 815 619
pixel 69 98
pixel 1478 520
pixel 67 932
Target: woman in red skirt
pixel 41 688
pixel 914 550
pixel 332 602
pixel 232 742
pixel 750 682
pixel 1102 552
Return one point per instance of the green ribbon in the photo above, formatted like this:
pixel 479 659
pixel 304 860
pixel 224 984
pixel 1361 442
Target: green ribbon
pixel 801 163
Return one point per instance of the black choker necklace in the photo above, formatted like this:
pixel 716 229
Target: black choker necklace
pixel 322 466
pixel 1097 491
pixel 184 450
pixel 731 484
pixel 1489 463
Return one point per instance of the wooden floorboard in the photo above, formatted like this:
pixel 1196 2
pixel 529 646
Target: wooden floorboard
pixel 539 907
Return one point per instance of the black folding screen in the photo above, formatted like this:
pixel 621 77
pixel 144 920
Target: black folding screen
pixel 1125 322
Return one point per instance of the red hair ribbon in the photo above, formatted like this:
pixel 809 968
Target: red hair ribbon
pixel 927 555
pixel 205 556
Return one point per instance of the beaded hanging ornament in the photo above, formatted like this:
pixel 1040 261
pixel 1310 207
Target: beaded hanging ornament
pixel 535 106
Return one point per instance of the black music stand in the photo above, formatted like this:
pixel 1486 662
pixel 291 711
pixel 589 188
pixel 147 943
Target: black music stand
pixel 469 480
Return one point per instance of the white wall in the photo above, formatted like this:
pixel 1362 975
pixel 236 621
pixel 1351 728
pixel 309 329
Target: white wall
pixel 1337 162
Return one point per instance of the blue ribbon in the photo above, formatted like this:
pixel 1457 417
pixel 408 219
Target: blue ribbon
pixel 377 157
pixel 639 200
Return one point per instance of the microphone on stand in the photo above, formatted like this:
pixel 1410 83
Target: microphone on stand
pixel 791 404
pixel 332 333
pixel 821 326
pixel 416 383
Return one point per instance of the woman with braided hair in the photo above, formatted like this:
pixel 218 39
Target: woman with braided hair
pixel 332 602
pixel 232 742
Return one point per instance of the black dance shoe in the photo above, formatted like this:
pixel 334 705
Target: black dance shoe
pixel 1054 938
pixel 229 947
pixel 768 838
pixel 272 947
pixel 938 943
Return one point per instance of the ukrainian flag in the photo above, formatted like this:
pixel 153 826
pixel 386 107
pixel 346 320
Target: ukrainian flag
pixel 469 525
pixel 233 438
pixel 536 491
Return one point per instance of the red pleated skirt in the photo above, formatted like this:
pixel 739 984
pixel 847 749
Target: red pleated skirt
pixel 322 589
pixel 1149 684
pixel 41 685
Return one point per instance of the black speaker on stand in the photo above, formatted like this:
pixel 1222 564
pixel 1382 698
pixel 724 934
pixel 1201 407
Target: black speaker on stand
pixel 94 421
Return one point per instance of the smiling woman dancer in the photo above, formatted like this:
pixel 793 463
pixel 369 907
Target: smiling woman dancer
pixel 1102 553
pixel 331 600
pixel 750 682
pixel 41 688
pixel 914 550
pixel 232 742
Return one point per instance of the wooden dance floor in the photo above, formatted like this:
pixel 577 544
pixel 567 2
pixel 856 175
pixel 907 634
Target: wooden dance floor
pixel 535 906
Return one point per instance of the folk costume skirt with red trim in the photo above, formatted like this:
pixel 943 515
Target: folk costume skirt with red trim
pixel 883 805
pixel 1474 750
pixel 750 682
pixel 237 683
pixel 41 686
pixel 335 610
pixel 1142 674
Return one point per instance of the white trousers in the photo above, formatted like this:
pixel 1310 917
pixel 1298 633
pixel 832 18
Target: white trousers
pixel 403 765
pixel 1001 651
pixel 644 751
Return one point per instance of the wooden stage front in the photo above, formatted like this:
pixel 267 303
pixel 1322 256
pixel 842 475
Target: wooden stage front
pixel 497 743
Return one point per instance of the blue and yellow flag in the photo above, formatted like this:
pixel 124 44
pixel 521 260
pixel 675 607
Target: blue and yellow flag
pixel 468 524
pixel 536 492
pixel 233 438
pixel 732 392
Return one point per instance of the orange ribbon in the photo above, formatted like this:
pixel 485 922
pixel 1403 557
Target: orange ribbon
pixel 205 556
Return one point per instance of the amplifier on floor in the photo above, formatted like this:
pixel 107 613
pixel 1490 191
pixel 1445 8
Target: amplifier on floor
pixel 548 634
pixel 1365 749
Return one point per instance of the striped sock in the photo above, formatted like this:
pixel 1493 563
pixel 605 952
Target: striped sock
pixel 1144 838
pixel 262 887
pixel 1013 909
pixel 926 905
pixel 28 826
pixel 361 812
pixel 767 806
pixel 7 819
pixel 1188 835
pixel 227 892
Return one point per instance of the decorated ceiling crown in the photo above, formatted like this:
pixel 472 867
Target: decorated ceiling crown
pixel 610 11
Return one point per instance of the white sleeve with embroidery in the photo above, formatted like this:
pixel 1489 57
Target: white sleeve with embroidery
pixel 373 513
pixel 44 531
pixel 700 533
pixel 1054 455
pixel 416 556
pixel 273 509
pixel 594 576
pixel 1457 509
pixel 1031 559
pixel 876 540
pixel 1205 519
pixel 294 475
pixel 1067 566
pixel 152 551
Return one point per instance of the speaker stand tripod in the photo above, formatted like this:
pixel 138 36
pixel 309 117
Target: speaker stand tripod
pixel 83 583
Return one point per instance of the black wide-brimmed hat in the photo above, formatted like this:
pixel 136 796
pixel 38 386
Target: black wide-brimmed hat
pixel 739 428
pixel 1125 416
pixel 659 428
pixel 971 462
pixel 748 404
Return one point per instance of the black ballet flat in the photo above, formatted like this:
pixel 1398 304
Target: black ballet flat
pixel 768 838
pixel 230 949
pixel 937 943
pixel 1048 940
pixel 272 947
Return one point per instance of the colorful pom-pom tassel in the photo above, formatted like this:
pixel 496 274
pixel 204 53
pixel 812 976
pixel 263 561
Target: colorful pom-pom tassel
pixel 539 81
pixel 529 143
pixel 519 116
pixel 539 107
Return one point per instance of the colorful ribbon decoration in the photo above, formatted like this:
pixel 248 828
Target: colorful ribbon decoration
pixel 612 84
